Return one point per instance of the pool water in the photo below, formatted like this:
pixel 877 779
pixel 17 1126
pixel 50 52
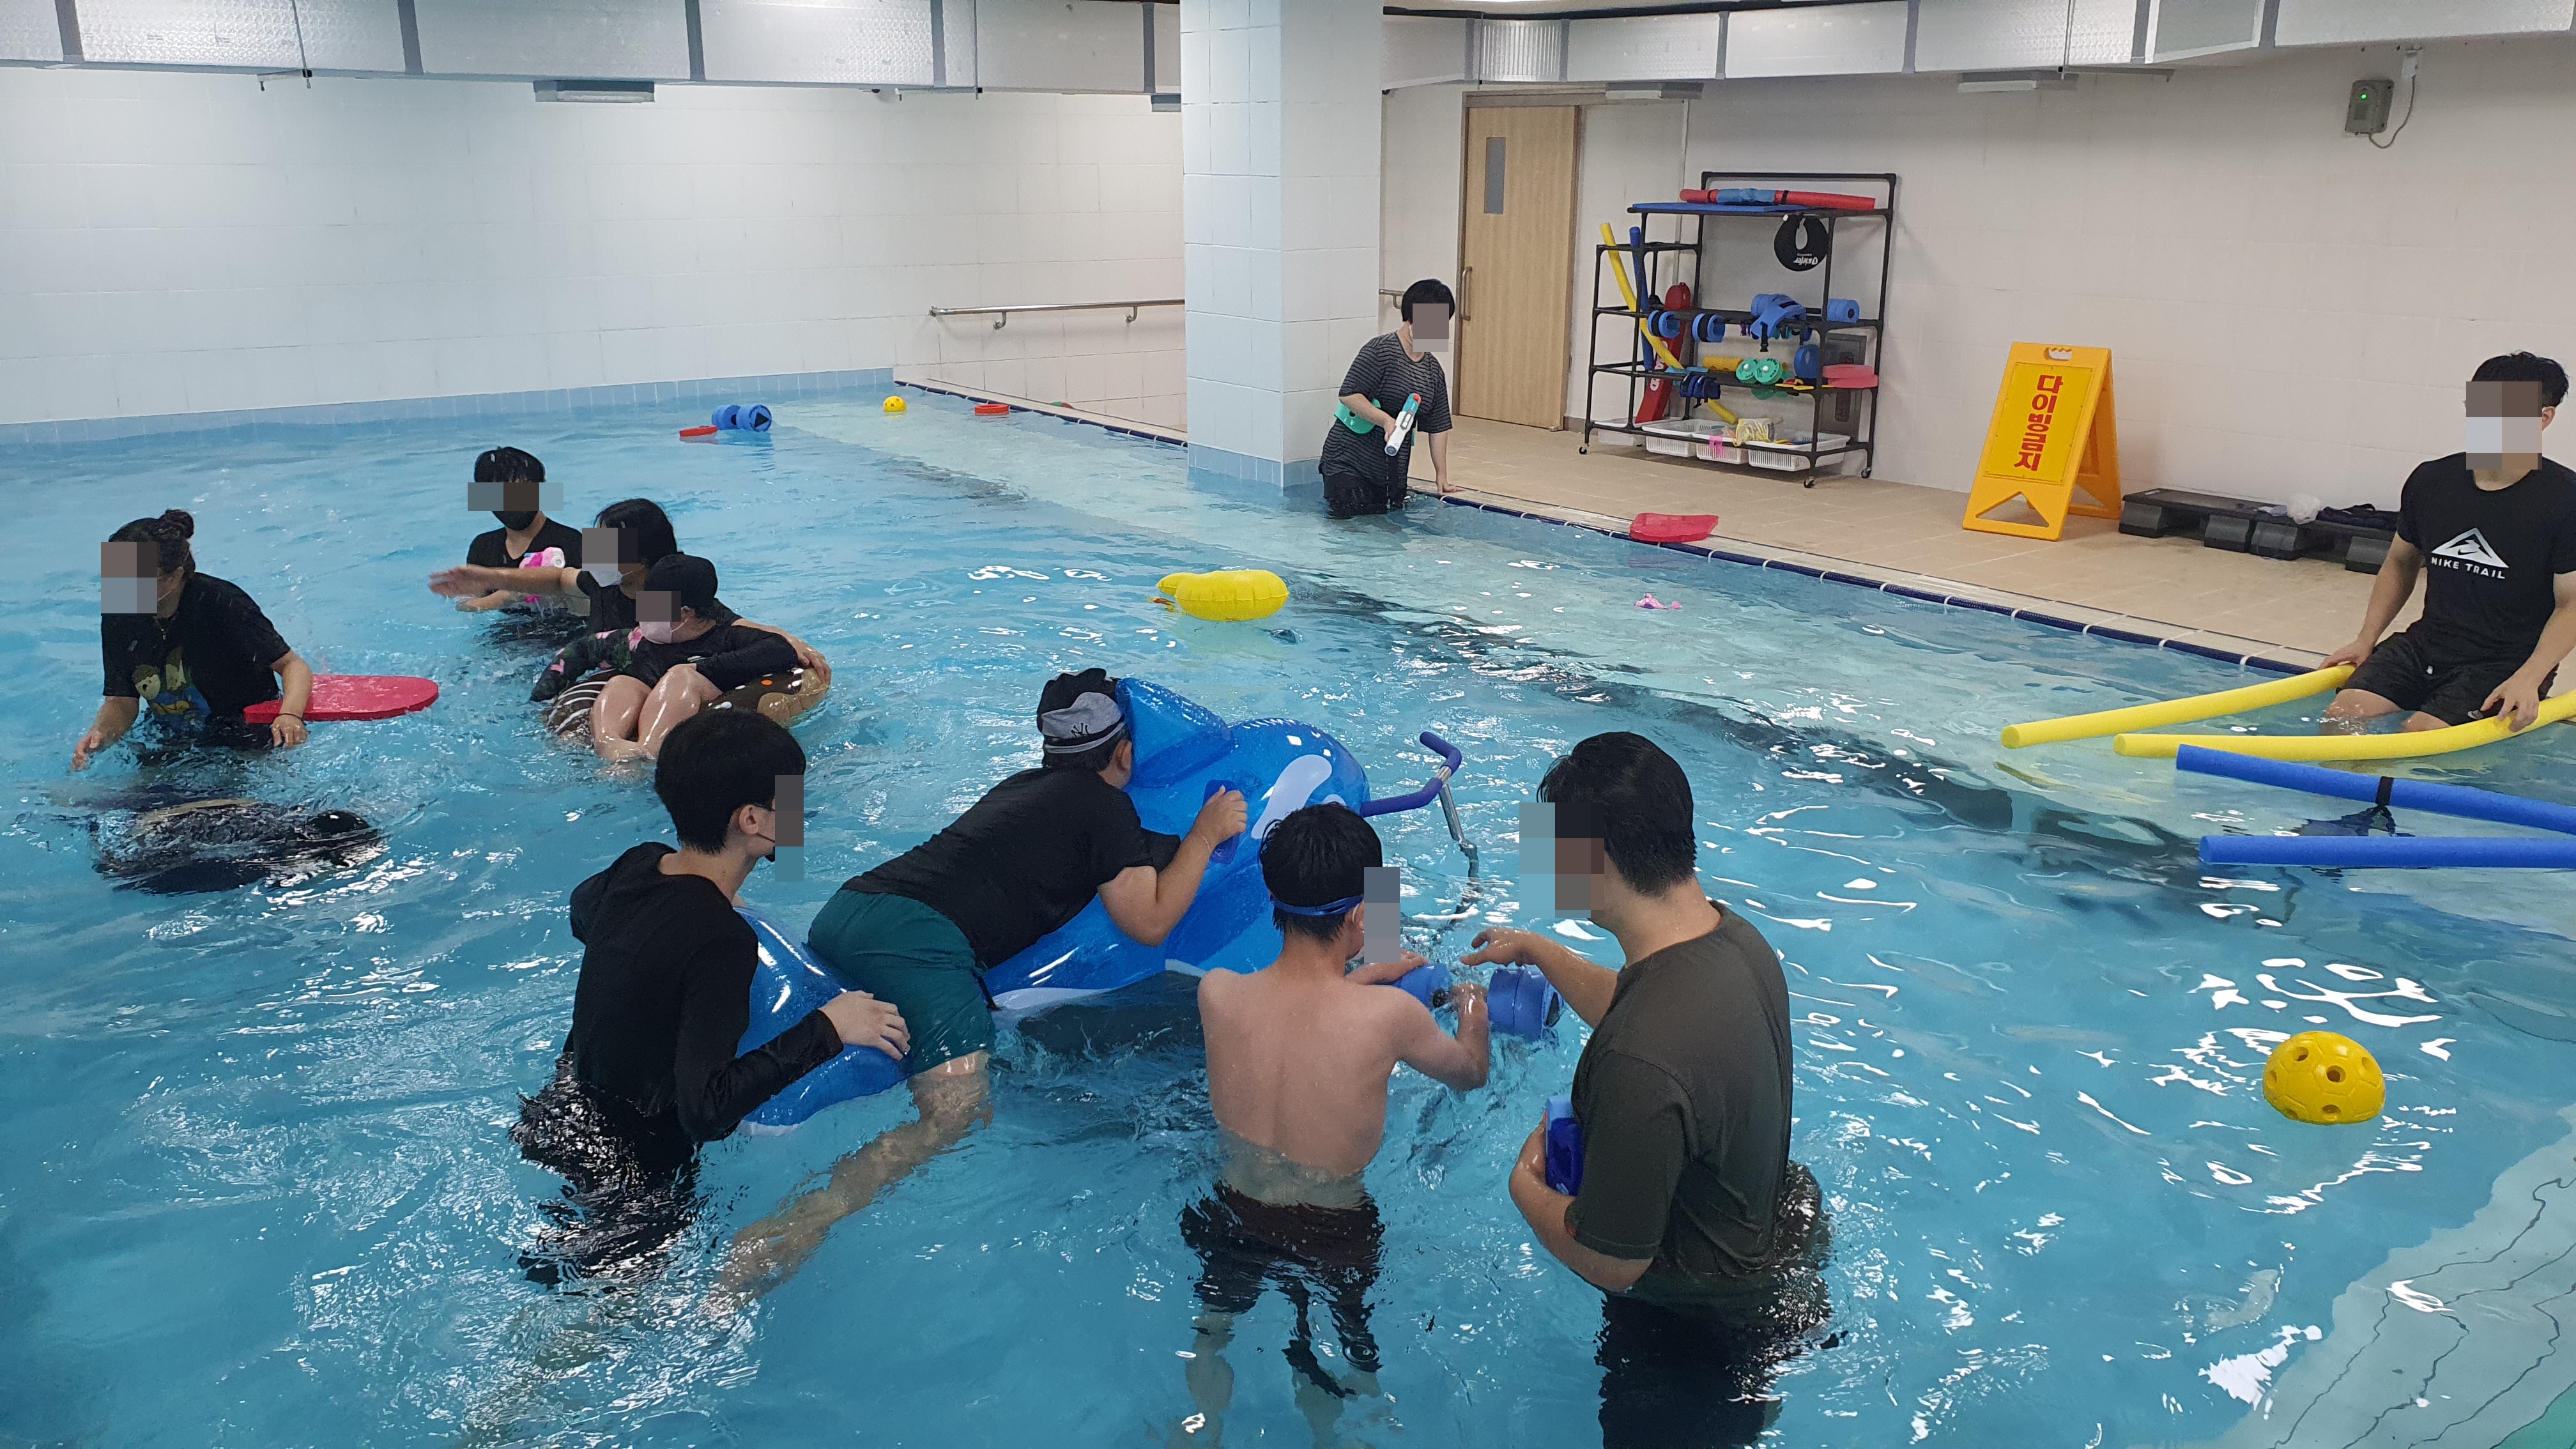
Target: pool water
pixel 258 1188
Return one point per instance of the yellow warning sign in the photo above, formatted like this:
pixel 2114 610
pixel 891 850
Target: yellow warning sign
pixel 2054 435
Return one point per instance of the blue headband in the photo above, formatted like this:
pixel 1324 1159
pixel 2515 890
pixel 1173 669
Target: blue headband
pixel 1329 908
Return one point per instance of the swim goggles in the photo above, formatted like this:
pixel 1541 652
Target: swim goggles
pixel 1328 908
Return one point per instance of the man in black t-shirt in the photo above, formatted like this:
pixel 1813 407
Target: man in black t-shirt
pixel 1360 476
pixel 2495 528
pixel 507 484
pixel 652 1065
pixel 919 930
pixel 1689 1214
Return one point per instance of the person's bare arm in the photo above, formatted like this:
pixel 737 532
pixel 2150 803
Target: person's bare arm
pixel 467 581
pixel 1359 403
pixel 1459 1062
pixel 1545 1208
pixel 1147 903
pixel 2388 594
pixel 2517 700
pixel 484 603
pixel 1440 461
pixel 807 656
pixel 116 715
pixel 1586 987
pixel 295 690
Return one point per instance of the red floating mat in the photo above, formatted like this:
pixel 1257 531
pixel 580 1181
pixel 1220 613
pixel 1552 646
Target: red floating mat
pixel 991 410
pixel 698 432
pixel 1851 376
pixel 357 696
pixel 1672 527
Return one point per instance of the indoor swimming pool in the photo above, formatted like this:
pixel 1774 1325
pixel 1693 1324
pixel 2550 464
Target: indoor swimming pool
pixel 259 1188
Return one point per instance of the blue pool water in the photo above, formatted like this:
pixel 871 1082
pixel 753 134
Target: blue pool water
pixel 257 1189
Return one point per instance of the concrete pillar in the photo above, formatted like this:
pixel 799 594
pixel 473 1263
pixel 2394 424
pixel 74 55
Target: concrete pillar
pixel 1279 223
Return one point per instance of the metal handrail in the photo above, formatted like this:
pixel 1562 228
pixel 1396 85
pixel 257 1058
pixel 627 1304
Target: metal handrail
pixel 1002 315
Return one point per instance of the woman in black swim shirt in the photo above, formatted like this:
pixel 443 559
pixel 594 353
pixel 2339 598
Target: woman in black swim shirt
pixel 199 655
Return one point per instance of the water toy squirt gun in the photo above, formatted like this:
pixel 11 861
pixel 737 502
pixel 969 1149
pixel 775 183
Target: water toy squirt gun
pixel 1403 428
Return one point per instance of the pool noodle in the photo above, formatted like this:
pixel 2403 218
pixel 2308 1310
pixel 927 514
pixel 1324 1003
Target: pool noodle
pixel 2387 851
pixel 2459 801
pixel 1628 290
pixel 2173 711
pixel 2406 745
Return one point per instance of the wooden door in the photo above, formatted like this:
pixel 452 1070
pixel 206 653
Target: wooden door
pixel 1516 260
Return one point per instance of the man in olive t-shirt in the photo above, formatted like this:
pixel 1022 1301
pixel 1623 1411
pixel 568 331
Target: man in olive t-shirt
pixel 1708 1240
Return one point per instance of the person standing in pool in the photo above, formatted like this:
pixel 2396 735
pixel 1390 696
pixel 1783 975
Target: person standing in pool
pixel 651 1068
pixel 2495 529
pixel 919 930
pixel 1707 1241
pixel 1359 474
pixel 191 648
pixel 510 481
pixel 1298 1056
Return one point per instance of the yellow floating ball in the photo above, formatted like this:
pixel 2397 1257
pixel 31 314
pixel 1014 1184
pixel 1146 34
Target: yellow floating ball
pixel 1227 595
pixel 895 405
pixel 2323 1078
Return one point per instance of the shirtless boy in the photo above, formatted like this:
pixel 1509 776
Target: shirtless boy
pixel 1298 1060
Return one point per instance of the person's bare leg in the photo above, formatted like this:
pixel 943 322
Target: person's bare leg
pixel 682 693
pixel 612 718
pixel 2354 709
pixel 954 1098
pixel 2419 720
pixel 1211 1381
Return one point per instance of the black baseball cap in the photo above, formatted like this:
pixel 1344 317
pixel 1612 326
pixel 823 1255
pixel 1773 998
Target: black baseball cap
pixel 687 576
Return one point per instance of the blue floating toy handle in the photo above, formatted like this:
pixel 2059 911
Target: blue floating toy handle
pixel 1564 1147
pixel 727 417
pixel 756 418
pixel 1521 1003
pixel 1428 984
pixel 1451 762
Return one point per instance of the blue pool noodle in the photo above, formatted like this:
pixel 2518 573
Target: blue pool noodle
pixel 2387 851
pixel 2454 800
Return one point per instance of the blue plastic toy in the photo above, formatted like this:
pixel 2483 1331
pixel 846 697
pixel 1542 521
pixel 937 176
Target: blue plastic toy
pixel 1428 984
pixel 2411 851
pixel 1182 752
pixel 1564 1147
pixel 1521 1002
pixel 752 419
pixel 786 986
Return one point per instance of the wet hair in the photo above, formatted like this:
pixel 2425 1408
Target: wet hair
pixel 1429 289
pixel 331 824
pixel 653 536
pixel 1316 856
pixel 2526 367
pixel 718 761
pixel 1623 790
pixel 169 534
pixel 1096 759
pixel 508 465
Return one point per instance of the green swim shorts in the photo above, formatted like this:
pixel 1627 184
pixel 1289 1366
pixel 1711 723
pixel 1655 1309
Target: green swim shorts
pixel 898 950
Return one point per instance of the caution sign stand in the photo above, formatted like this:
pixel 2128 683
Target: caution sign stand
pixel 2053 437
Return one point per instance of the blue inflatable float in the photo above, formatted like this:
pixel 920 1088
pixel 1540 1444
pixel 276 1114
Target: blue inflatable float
pixel 787 985
pixel 1183 752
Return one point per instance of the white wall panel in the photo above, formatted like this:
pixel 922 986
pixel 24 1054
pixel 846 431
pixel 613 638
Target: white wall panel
pixel 1677 47
pixel 30 30
pixel 850 42
pixel 1959 35
pixel 258 34
pixel 614 39
pixel 1828 40
pixel 1059 45
pixel 2182 29
pixel 1423 50
pixel 2348 22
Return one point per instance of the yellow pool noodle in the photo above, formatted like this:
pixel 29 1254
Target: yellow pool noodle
pixel 2405 745
pixel 1629 291
pixel 2174 711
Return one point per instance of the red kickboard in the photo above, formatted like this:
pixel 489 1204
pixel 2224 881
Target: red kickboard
pixel 1672 527
pixel 357 696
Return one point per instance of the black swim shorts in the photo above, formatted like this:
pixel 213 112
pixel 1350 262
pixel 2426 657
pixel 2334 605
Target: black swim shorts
pixel 1245 1244
pixel 1349 495
pixel 2403 672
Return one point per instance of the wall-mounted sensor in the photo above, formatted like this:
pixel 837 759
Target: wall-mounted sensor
pixel 2367 112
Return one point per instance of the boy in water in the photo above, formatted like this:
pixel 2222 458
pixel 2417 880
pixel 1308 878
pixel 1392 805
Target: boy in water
pixel 1298 1060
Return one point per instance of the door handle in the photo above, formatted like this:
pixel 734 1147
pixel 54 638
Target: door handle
pixel 1466 294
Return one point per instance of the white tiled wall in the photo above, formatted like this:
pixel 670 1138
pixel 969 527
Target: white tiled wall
pixel 2290 311
pixel 188 243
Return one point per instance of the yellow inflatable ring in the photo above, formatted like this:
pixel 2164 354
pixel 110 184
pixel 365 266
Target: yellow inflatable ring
pixel 2405 745
pixel 1227 595
pixel 2174 711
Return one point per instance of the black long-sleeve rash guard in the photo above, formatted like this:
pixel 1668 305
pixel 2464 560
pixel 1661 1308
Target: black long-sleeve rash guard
pixel 663 1001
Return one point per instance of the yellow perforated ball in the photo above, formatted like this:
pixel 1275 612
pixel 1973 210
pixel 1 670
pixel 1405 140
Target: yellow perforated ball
pixel 895 405
pixel 2326 1079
